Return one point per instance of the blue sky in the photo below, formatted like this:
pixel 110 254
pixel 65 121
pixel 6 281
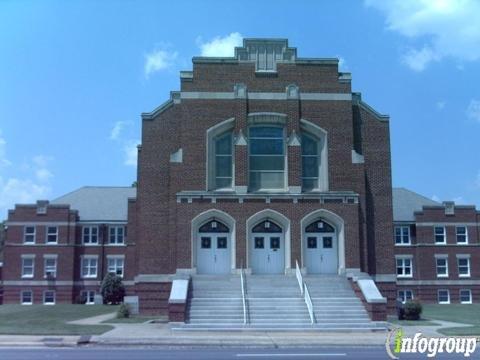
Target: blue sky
pixel 75 76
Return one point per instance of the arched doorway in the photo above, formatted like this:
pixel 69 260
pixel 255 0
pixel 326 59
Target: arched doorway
pixel 267 248
pixel 320 224
pixel 213 248
pixel 321 248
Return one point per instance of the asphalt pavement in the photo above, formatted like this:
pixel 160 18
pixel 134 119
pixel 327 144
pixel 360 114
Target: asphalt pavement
pixel 204 353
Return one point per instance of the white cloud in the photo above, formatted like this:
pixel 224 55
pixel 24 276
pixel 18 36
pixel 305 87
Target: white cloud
pixel 27 189
pixel 3 152
pixel 342 63
pixel 130 152
pixel 441 105
pixel 418 60
pixel 473 110
pixel 159 59
pixel 477 180
pixel 20 191
pixel 436 198
pixel 220 46
pixel 449 27
pixel 117 129
pixel 459 200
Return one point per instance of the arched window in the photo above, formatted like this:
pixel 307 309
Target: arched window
pixel 213 226
pixel 223 145
pixel 311 149
pixel 319 226
pixel 266 157
pixel 266 226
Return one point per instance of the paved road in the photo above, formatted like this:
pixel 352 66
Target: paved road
pixel 145 353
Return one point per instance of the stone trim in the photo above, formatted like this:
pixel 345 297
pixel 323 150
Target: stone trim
pixel 437 282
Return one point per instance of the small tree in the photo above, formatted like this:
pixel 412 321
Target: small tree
pixel 112 289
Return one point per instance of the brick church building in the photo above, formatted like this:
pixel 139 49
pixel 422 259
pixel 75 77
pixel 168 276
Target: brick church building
pixel 260 162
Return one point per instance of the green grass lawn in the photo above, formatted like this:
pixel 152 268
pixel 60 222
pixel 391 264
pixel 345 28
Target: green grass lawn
pixel 462 313
pixel 51 320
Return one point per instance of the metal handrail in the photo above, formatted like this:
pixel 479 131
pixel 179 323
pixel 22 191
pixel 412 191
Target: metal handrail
pixel 244 300
pixel 299 276
pixel 308 301
pixel 304 291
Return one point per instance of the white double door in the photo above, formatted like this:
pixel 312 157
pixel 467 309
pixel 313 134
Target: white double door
pixel 267 253
pixel 213 253
pixel 321 254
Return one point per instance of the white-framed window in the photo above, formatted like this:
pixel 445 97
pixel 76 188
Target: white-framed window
pixel 223 160
pixel 52 234
pixel 440 235
pixel 87 297
pixel 463 263
pixel 402 235
pixel 443 296
pixel 89 266
pixel 116 265
pixel 442 265
pixel 404 266
pixel 405 295
pixel 465 296
pixel 266 149
pixel 90 235
pixel 26 297
pixel 29 235
pixel 462 235
pixel 50 266
pixel 28 266
pixel 311 157
pixel 49 297
pixel 116 234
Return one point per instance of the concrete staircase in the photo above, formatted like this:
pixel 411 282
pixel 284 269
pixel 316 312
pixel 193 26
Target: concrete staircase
pixel 274 303
pixel 336 306
pixel 216 302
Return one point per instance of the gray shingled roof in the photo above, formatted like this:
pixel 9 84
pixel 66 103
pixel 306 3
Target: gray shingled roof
pixel 406 202
pixel 99 203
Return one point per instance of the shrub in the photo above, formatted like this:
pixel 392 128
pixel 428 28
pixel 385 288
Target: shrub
pixel 413 310
pixel 112 289
pixel 123 311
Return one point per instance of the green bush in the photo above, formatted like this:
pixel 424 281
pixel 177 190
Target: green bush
pixel 112 289
pixel 123 311
pixel 413 310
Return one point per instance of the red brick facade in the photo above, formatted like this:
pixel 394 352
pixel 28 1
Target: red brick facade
pixel 426 280
pixel 174 177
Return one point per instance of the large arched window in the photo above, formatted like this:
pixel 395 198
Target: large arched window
pixel 314 157
pixel 310 162
pixel 266 157
pixel 220 156
pixel 223 160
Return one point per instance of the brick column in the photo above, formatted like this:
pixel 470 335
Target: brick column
pixel 241 153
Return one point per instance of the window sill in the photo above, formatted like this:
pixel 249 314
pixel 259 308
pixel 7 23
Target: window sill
pixel 442 276
pixel 400 245
pixel 464 276
pixel 404 277
pixel 27 277
pixel 89 277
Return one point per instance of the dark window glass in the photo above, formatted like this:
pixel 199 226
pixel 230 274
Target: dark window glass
pixel 213 226
pixel 319 226
pixel 206 243
pixel 267 226
pixel 327 243
pixel 259 243
pixel 274 243
pixel 312 242
pixel 221 243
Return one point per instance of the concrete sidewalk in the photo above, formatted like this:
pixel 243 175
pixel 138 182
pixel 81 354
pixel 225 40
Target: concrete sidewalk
pixel 161 334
